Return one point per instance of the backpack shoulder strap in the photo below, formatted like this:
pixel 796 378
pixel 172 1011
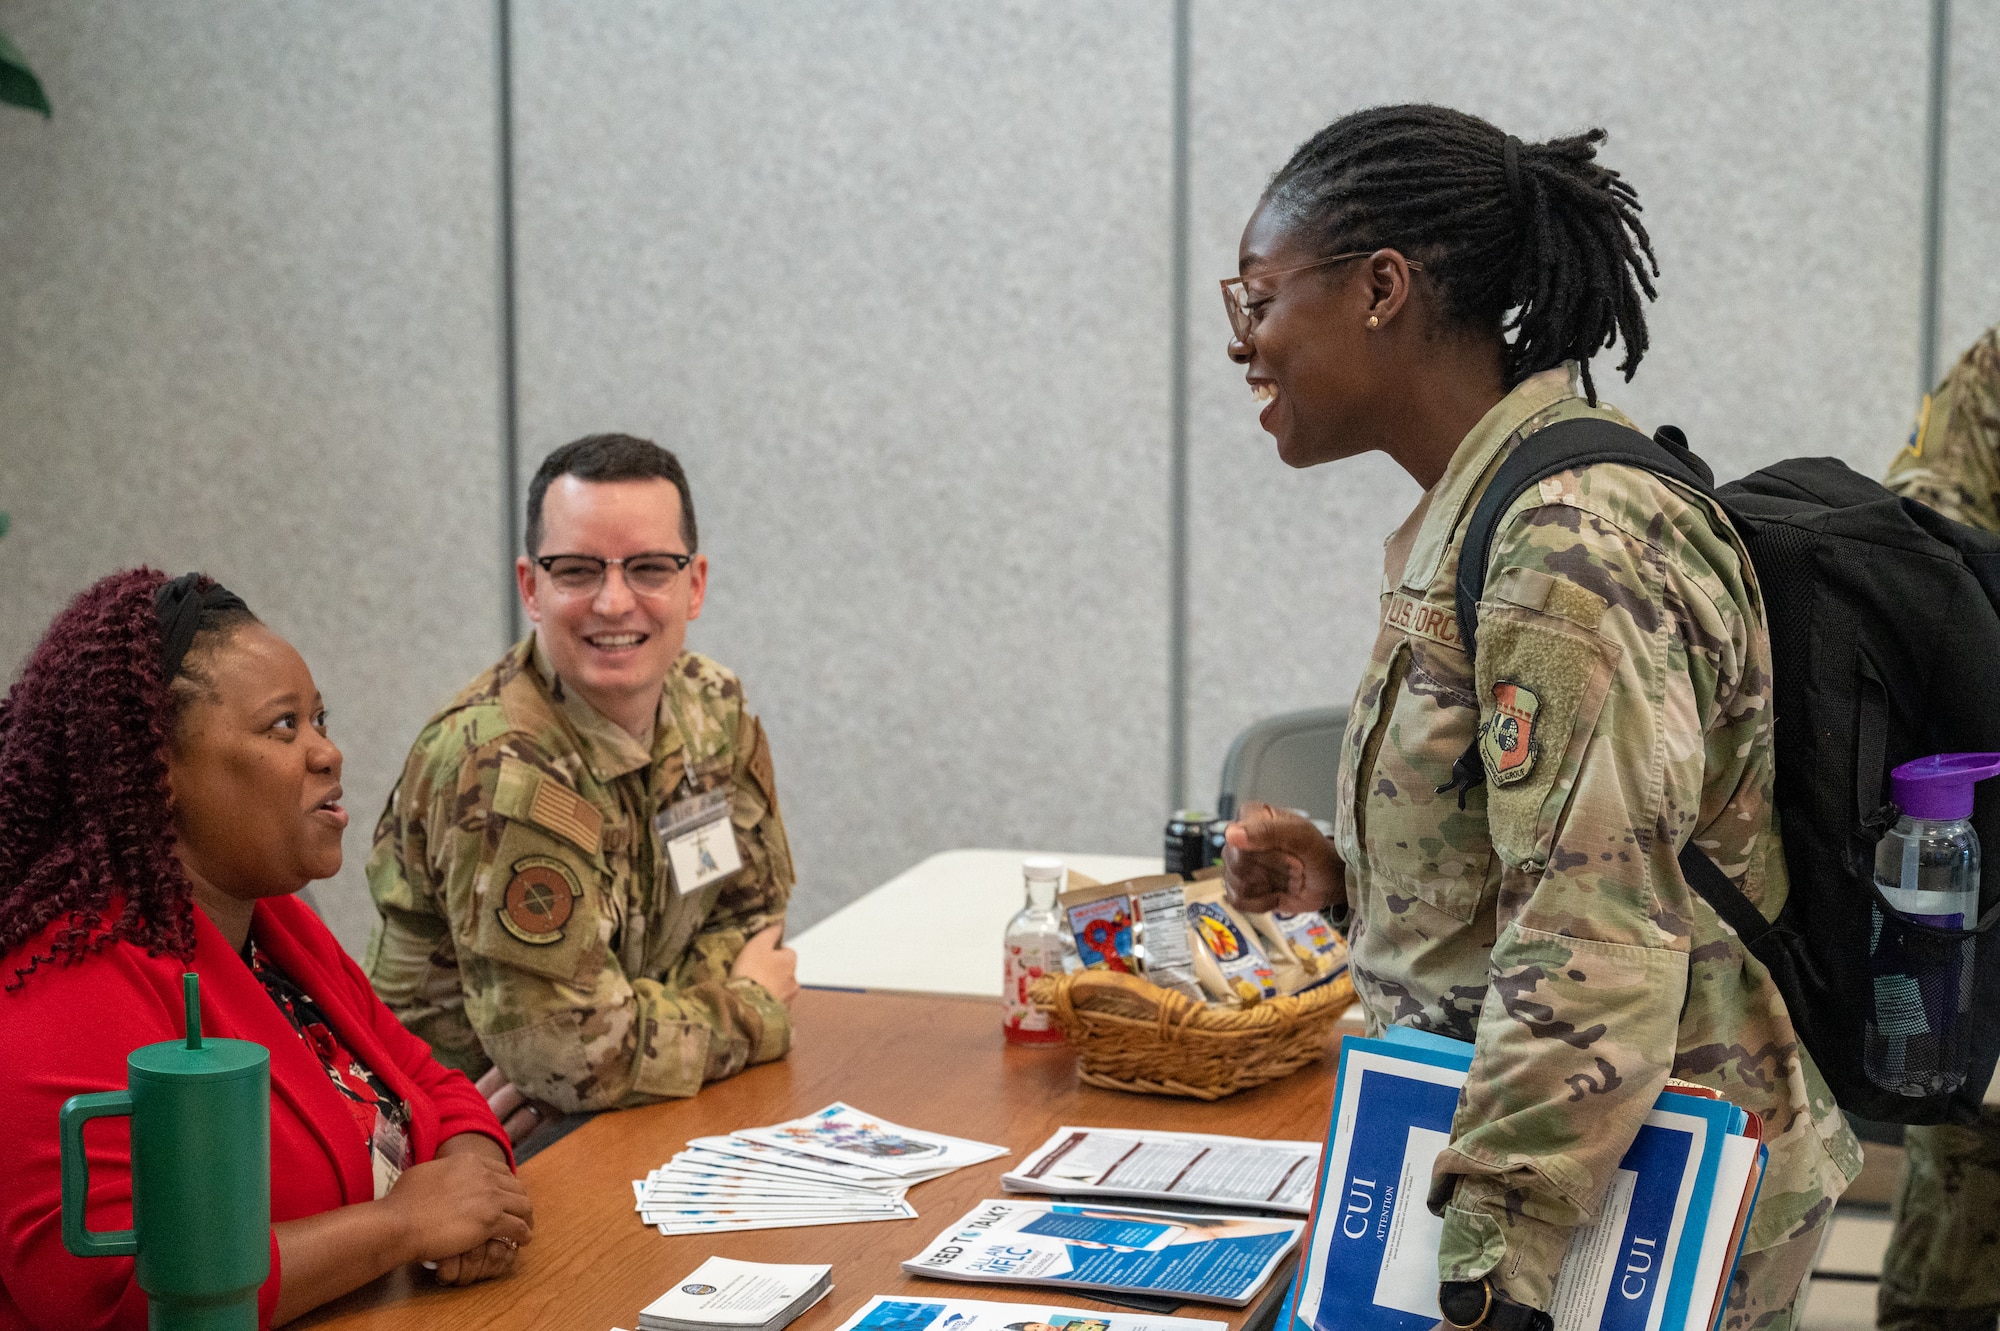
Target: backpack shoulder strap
pixel 1564 446
pixel 1550 451
pixel 1724 897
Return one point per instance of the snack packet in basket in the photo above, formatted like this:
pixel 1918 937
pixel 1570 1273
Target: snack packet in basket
pixel 1099 916
pixel 1163 932
pixel 1228 961
pixel 1311 946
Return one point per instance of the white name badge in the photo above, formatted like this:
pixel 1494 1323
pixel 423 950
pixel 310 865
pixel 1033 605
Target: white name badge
pixel 699 839
pixel 388 1153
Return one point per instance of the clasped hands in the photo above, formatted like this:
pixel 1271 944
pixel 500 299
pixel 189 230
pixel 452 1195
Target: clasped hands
pixel 465 1214
pixel 1273 859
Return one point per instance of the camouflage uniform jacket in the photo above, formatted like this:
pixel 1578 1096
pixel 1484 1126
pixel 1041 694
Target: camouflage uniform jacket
pixel 1953 460
pixel 528 914
pixel 1622 699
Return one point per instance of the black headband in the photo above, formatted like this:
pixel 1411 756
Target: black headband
pixel 180 604
pixel 1510 162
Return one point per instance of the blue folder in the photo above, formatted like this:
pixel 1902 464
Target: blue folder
pixel 1404 1082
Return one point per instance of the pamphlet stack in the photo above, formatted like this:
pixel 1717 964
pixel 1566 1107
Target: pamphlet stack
pixel 839 1166
pixel 726 1295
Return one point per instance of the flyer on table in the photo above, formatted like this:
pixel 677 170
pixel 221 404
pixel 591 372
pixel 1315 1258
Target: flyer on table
pixel 885 1313
pixel 1214 1258
pixel 842 1133
pixel 1172 1166
pixel 742 1154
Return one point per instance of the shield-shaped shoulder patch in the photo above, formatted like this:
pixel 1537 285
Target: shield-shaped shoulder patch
pixel 1507 742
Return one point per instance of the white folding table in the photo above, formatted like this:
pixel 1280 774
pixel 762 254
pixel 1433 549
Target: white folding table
pixel 936 928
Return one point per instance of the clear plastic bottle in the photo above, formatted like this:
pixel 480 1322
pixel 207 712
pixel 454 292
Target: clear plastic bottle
pixel 1036 945
pixel 1916 1042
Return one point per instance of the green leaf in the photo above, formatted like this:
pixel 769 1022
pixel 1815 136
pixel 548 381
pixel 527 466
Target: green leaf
pixel 4 522
pixel 18 84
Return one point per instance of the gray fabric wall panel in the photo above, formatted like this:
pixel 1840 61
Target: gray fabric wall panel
pixel 1969 295
pixel 247 324
pixel 1778 150
pixel 892 279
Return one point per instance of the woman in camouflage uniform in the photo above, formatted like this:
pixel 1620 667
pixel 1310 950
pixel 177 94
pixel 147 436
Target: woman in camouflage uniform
pixel 1418 282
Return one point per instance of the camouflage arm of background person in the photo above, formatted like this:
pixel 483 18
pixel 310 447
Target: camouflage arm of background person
pixel 566 1020
pixel 1939 1270
pixel 1615 615
pixel 1952 461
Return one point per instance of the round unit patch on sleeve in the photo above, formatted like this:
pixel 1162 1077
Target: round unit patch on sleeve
pixel 1508 742
pixel 539 899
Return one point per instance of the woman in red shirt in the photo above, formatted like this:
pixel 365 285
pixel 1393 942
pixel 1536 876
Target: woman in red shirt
pixel 166 786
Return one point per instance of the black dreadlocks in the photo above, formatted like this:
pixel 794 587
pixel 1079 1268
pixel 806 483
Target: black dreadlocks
pixel 1536 238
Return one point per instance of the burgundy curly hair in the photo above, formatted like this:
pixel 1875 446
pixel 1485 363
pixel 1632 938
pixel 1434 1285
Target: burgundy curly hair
pixel 86 816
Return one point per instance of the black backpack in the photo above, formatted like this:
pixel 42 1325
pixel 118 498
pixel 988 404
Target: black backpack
pixel 1885 643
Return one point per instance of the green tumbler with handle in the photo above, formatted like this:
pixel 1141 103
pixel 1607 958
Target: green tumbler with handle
pixel 201 1176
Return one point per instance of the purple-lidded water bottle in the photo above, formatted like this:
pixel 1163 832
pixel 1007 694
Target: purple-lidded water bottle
pixel 1915 1042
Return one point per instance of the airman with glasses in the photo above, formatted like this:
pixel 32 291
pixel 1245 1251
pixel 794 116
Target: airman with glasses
pixel 582 875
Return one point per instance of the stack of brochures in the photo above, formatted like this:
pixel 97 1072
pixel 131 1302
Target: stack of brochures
pixel 1211 1257
pixel 884 1313
pixel 725 1295
pixel 1658 1256
pixel 839 1166
pixel 1171 1167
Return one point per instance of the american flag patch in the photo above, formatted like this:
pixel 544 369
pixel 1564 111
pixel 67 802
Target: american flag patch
pixel 567 814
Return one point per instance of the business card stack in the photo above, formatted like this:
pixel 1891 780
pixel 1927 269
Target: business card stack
pixel 837 1167
pixel 726 1295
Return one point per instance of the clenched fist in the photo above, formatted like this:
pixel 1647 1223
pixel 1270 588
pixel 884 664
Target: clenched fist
pixel 1275 860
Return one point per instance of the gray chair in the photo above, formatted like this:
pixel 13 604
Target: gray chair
pixel 1291 760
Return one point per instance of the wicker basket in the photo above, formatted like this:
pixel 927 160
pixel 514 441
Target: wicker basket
pixel 1131 1035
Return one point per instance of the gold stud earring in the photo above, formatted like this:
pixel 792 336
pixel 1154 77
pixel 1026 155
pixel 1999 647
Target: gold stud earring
pixel 1373 322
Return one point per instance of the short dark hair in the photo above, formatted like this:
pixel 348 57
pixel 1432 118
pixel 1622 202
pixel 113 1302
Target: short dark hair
pixel 603 458
pixel 1536 239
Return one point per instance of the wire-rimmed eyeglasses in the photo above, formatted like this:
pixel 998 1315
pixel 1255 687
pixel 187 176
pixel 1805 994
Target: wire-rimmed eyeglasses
pixel 1243 313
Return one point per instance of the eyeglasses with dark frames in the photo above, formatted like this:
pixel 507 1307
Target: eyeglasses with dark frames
pixel 1242 312
pixel 647 574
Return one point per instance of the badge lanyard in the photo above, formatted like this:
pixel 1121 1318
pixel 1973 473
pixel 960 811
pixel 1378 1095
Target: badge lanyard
pixel 696 832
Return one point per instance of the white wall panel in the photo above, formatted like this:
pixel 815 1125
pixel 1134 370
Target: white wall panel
pixel 892 279
pixel 1778 152
pixel 1969 294
pixel 247 324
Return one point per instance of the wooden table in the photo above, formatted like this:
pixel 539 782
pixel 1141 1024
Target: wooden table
pixel 925 1061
